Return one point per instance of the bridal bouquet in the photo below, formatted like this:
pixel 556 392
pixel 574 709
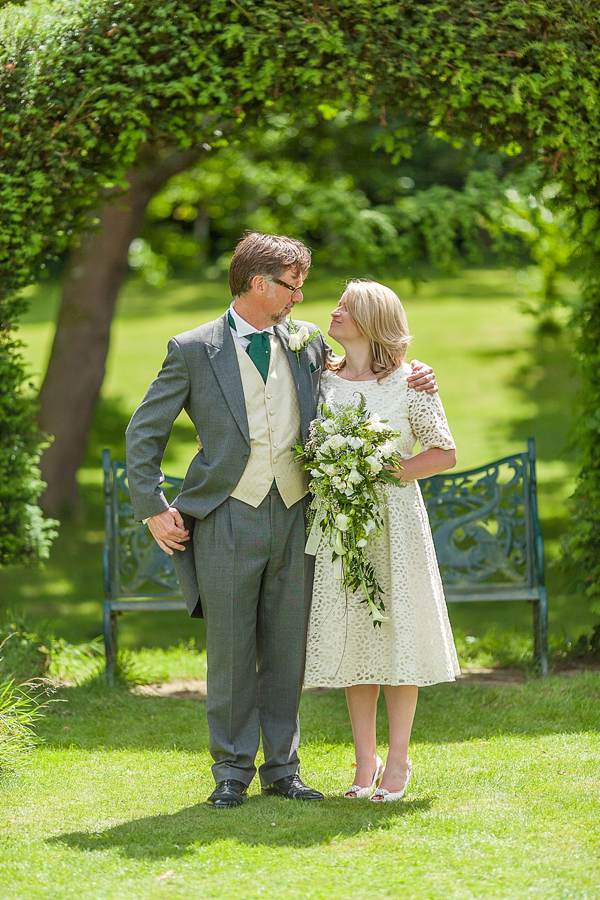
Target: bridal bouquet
pixel 346 453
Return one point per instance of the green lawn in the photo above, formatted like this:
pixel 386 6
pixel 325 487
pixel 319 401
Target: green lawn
pixel 503 803
pixel 498 382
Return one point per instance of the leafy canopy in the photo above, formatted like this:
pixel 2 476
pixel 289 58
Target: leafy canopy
pixel 85 83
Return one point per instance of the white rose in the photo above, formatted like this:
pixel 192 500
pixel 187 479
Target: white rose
pixel 299 338
pixel 375 424
pixel 337 481
pixel 337 441
pixel 342 522
pixel 316 473
pixel 388 448
pixel 355 442
pixel 374 464
pixel 330 469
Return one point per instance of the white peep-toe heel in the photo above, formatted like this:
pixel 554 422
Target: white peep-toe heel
pixel 382 795
pixel 356 792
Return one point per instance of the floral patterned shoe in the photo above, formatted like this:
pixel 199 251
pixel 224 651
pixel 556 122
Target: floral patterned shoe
pixel 356 792
pixel 381 795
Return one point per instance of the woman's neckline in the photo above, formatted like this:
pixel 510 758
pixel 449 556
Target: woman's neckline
pixel 354 380
pixel 364 380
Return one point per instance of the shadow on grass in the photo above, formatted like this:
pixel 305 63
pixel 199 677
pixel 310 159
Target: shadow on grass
pixel 260 821
pixel 550 382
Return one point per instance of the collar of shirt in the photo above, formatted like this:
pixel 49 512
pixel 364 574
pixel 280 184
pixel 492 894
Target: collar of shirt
pixel 243 330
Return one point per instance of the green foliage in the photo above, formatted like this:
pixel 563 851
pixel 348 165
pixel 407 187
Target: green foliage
pixel 548 235
pixel 22 655
pixel 584 543
pixel 25 536
pixel 19 709
pixel 82 664
pixel 86 83
pixel 335 186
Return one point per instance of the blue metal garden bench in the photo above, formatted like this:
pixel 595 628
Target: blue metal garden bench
pixel 484 522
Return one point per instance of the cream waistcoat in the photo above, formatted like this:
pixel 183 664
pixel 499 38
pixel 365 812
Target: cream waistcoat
pixel 274 425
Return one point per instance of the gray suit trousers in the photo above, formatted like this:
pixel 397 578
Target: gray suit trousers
pixel 255 585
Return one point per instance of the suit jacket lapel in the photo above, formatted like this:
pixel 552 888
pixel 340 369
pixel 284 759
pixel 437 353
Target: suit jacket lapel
pixel 223 358
pixel 302 377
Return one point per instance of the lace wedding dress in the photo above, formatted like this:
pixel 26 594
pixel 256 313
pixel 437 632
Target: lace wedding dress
pixel 415 646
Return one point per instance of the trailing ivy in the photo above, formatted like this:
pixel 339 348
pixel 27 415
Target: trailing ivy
pixel 83 83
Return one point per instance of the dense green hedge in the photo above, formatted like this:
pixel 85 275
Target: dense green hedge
pixel 84 82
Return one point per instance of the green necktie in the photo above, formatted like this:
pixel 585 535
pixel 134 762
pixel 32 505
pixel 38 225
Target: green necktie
pixel 259 349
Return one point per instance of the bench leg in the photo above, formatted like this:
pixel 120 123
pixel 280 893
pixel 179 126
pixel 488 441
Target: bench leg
pixel 540 632
pixel 110 640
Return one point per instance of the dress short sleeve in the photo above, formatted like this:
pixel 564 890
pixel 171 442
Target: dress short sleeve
pixel 428 420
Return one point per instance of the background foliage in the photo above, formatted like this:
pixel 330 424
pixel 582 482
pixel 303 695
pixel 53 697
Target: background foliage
pixel 85 84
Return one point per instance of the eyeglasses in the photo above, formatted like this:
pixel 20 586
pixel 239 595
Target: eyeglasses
pixel 290 287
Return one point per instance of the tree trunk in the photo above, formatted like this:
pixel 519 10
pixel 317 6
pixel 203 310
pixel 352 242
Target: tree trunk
pixel 75 372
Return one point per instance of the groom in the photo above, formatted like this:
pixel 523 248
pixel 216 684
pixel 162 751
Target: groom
pixel 237 529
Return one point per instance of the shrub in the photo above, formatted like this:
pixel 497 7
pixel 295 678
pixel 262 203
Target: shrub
pixel 20 704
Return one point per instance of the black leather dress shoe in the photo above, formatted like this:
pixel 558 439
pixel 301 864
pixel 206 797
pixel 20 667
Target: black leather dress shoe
pixel 293 788
pixel 228 793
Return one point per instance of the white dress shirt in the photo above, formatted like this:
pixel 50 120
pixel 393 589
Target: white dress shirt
pixel 243 330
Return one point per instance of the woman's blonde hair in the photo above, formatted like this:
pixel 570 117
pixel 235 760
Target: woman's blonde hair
pixel 379 315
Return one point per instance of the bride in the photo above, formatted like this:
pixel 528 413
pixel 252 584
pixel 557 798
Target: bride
pixel 414 647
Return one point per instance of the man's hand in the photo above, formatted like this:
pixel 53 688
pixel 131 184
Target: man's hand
pixel 168 530
pixel 422 377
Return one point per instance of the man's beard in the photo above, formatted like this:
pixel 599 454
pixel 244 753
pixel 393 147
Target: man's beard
pixel 280 317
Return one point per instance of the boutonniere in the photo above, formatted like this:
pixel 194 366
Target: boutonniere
pixel 300 337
